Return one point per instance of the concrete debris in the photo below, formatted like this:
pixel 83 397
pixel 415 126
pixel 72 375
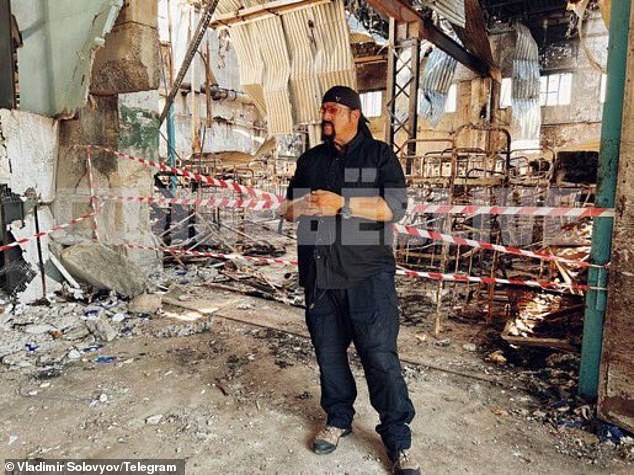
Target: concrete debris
pixel 101 329
pixel 145 303
pixel 104 268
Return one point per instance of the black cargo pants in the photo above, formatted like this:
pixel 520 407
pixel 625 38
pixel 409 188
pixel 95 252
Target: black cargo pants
pixel 366 315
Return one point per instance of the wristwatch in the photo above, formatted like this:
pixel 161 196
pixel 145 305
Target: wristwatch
pixel 346 212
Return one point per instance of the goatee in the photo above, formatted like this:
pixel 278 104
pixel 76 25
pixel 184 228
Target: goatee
pixel 327 137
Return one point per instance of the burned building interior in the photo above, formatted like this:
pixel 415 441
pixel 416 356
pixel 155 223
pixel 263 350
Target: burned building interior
pixel 150 306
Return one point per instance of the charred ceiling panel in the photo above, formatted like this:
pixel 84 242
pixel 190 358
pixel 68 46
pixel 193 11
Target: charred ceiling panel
pixel 60 39
pixel 561 55
pixel 452 10
pixel 506 10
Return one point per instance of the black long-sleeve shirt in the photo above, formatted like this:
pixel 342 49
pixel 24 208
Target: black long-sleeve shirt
pixel 335 253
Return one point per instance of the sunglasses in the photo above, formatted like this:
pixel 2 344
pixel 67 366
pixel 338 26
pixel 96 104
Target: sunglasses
pixel 332 109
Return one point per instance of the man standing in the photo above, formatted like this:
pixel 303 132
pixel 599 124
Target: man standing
pixel 344 193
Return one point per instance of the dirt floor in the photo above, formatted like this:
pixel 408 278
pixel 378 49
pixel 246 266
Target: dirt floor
pixel 237 392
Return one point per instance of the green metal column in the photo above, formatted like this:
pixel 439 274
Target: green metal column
pixel 607 178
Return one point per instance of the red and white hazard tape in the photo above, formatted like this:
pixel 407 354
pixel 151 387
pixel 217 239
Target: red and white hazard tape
pixel 405 272
pixel 491 280
pixel 57 227
pixel 211 181
pixel 437 236
pixel 515 210
pixel 213 202
pixel 418 209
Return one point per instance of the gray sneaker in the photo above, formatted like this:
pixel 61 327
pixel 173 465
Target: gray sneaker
pixel 406 464
pixel 327 439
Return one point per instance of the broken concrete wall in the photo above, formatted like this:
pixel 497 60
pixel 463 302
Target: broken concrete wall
pixel 121 123
pixel 29 145
pixel 139 136
pixel 130 60
pixel 28 161
pixel 60 40
pixel 127 122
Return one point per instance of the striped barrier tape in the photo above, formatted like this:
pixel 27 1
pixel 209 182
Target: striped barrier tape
pixel 211 181
pixel 461 241
pixel 491 280
pixel 419 208
pixel 402 229
pixel 515 210
pixel 464 278
pixel 57 227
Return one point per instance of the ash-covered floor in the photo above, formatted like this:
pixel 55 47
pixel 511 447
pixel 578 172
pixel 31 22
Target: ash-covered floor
pixel 234 389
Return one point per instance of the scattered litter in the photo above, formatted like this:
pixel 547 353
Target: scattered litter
pixel 103 397
pixel 92 348
pixel 31 347
pixel 74 354
pixel 118 317
pixel 245 306
pixel 470 347
pixel 105 359
pixel 12 439
pixel 608 432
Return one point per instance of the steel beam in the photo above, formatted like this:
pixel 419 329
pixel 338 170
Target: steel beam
pixel 402 12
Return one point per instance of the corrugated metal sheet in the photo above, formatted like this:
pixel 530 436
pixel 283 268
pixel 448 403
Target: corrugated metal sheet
pixel 526 84
pixel 291 59
pixel 333 62
pixel 452 10
pixel 434 85
pixel 232 6
pixel 269 34
pixel 305 90
pixel 251 64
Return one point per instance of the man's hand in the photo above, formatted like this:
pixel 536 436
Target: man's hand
pixel 326 202
pixel 291 210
